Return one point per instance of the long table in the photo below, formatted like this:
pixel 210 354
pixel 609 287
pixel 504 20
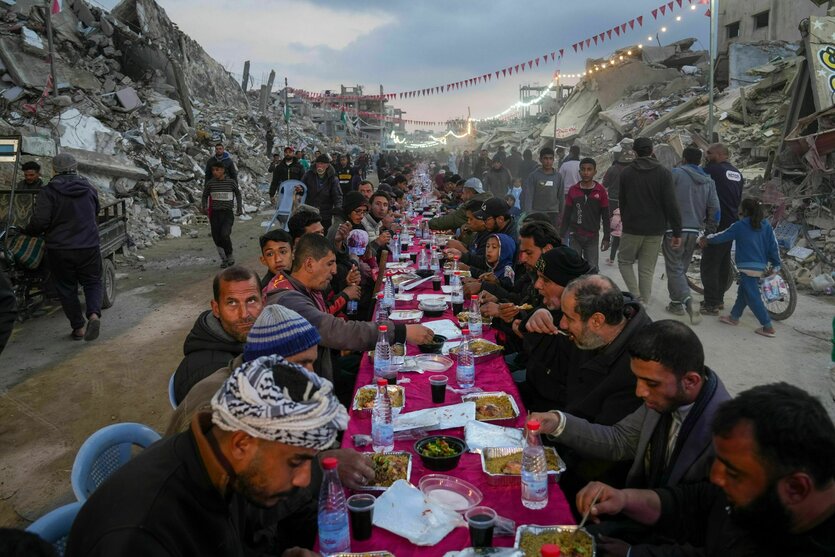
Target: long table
pixel 492 375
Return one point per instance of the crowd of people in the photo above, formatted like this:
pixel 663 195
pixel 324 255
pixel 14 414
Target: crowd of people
pixel 649 432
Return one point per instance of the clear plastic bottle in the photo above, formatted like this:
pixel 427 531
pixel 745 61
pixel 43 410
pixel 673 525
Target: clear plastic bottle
pixel 457 291
pixel 382 423
pixel 388 292
pixel 394 246
pixel 435 261
pixel 382 353
pixel 455 259
pixel 534 469
pixel 382 311
pixel 475 316
pixel 423 259
pixel 334 536
pixel 465 369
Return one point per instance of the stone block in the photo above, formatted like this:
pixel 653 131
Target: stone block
pixel 128 98
pixel 38 145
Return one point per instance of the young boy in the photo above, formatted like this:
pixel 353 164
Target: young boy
pixel 586 207
pixel 276 253
pixel 221 190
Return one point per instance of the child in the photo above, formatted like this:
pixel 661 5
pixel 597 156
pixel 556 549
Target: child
pixel 616 229
pixel 586 206
pixel 516 191
pixel 756 248
pixel 276 253
pixel 514 210
pixel 499 251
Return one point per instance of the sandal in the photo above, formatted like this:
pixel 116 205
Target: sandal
pixel 728 320
pixel 77 334
pixel 765 332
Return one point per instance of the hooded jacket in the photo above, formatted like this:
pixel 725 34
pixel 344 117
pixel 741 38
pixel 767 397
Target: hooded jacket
pixel 207 348
pixel 545 192
pixel 65 213
pixel 697 199
pixel 228 164
pixel 283 172
pixel 323 193
pixel 497 181
pixel 503 269
pixel 648 203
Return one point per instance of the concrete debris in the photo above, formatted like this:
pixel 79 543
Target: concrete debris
pixel 127 97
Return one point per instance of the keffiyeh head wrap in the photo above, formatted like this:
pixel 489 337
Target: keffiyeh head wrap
pixel 273 399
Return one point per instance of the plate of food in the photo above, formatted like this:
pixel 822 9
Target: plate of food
pixel 404 297
pixel 503 466
pixel 399 279
pixel 434 363
pixel 494 406
pixel 481 348
pixel 398 266
pixel 388 468
pixel 530 538
pixel 406 315
pixel 464 319
pixel 364 398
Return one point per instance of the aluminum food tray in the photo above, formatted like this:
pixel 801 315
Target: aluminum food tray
pixel 475 396
pixel 536 529
pixel 364 554
pixel 515 479
pixel 408 470
pixel 481 357
pixel 355 403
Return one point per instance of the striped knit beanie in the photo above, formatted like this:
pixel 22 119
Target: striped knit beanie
pixel 279 330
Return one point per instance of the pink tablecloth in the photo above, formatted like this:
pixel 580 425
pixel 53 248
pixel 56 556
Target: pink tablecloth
pixel 491 375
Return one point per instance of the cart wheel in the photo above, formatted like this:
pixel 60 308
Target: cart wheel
pixel 109 282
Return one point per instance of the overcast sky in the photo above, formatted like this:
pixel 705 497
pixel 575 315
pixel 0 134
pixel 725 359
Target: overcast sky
pixel 413 44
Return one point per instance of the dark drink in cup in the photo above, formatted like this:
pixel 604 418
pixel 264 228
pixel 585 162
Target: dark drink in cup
pixel 391 377
pixel 438 385
pixel 361 511
pixel 457 308
pixel 481 521
pixel 436 283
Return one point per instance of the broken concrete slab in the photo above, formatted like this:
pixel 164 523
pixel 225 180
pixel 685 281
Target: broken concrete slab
pixel 613 83
pixel 32 41
pixel 128 98
pixel 32 71
pixel 165 107
pixel 38 143
pixel 664 121
pixel 622 116
pixel 80 132
pixel 109 165
pixel 13 93
pixel 657 54
pixel 743 57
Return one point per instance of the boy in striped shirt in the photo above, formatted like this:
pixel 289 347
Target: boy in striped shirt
pixel 220 190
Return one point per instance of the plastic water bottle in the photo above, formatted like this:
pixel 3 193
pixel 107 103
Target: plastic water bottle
pixel 382 353
pixel 534 470
pixel 435 261
pixel 334 536
pixel 475 316
pixel 382 424
pixel 388 292
pixel 394 247
pixel 423 259
pixel 457 292
pixel 465 370
pixel 455 263
pixel 382 314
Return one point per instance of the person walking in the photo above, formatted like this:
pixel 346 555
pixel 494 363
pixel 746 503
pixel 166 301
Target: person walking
pixel 287 169
pixel 715 266
pixel 616 231
pixel 586 206
pixel 497 180
pixel 647 205
pixel 698 204
pixel 221 189
pixel 756 251
pixel 65 214
pixel 323 191
pixel 570 167
pixel 223 157
pixel 544 188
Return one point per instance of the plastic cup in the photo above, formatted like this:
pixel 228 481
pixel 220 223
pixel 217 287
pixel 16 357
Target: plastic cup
pixel 436 283
pixel 361 511
pixel 438 385
pixel 481 521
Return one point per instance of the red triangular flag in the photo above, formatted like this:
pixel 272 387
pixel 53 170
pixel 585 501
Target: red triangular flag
pixel 602 38
pixel 497 74
pixel 517 68
pixel 561 51
pixel 537 62
pixel 609 33
pixel 588 43
pixel 640 21
pixel 707 13
pixel 663 9
pixel 581 46
pixel 530 64
pixel 655 13
pixel 679 2
pixel 575 47
pixel 595 39
pixel 631 23
pixel 670 5
pixel 617 31
pixel 623 28
pixel 504 71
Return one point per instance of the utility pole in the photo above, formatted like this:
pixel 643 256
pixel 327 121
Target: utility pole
pixel 382 117
pixel 51 47
pixel 714 38
pixel 245 80
pixel 286 112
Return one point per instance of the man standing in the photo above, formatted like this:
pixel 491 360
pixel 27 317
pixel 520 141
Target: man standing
pixel 348 175
pixel 773 489
pixel 31 176
pixel 624 156
pixel 497 180
pixel 481 164
pixel 586 205
pixel 716 259
pixel 270 139
pixel 570 167
pixel 65 213
pixel 302 158
pixel 465 165
pixel 223 157
pixel 647 206
pixel 698 204
pixel 323 191
pixel 189 494
pixel 221 189
pixel 218 334
pixel 544 188
pixel 514 162
pixel 286 169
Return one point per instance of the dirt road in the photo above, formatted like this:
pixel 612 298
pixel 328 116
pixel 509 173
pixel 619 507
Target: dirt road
pixel 55 392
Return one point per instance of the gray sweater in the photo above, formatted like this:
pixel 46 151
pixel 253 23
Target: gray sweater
pixel 543 192
pixel 697 199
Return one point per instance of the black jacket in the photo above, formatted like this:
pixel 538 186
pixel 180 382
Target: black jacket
pixel 325 193
pixel 283 171
pixel 228 164
pixel 65 213
pixel 207 349
pixel 648 204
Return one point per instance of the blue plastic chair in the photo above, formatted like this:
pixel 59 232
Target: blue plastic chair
pixel 106 451
pixel 54 527
pixel 287 193
pixel 171 398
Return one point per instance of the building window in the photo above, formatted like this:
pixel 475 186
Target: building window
pixel 761 20
pixel 733 30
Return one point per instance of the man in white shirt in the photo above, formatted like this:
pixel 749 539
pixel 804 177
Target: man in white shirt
pixel 570 168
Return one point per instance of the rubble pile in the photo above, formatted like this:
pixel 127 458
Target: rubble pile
pixel 139 104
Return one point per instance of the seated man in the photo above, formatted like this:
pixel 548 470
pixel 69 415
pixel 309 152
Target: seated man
pixel 189 494
pixel 378 221
pixel 276 253
pixel 772 489
pixel 219 334
pixel 473 189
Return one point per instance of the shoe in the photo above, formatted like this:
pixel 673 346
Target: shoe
pixel 230 262
pixel 695 316
pixel 224 264
pixel 770 333
pixel 93 328
pixel 728 320
pixel 675 309
pixel 77 334
pixel 610 262
pixel 719 307
pixel 709 310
